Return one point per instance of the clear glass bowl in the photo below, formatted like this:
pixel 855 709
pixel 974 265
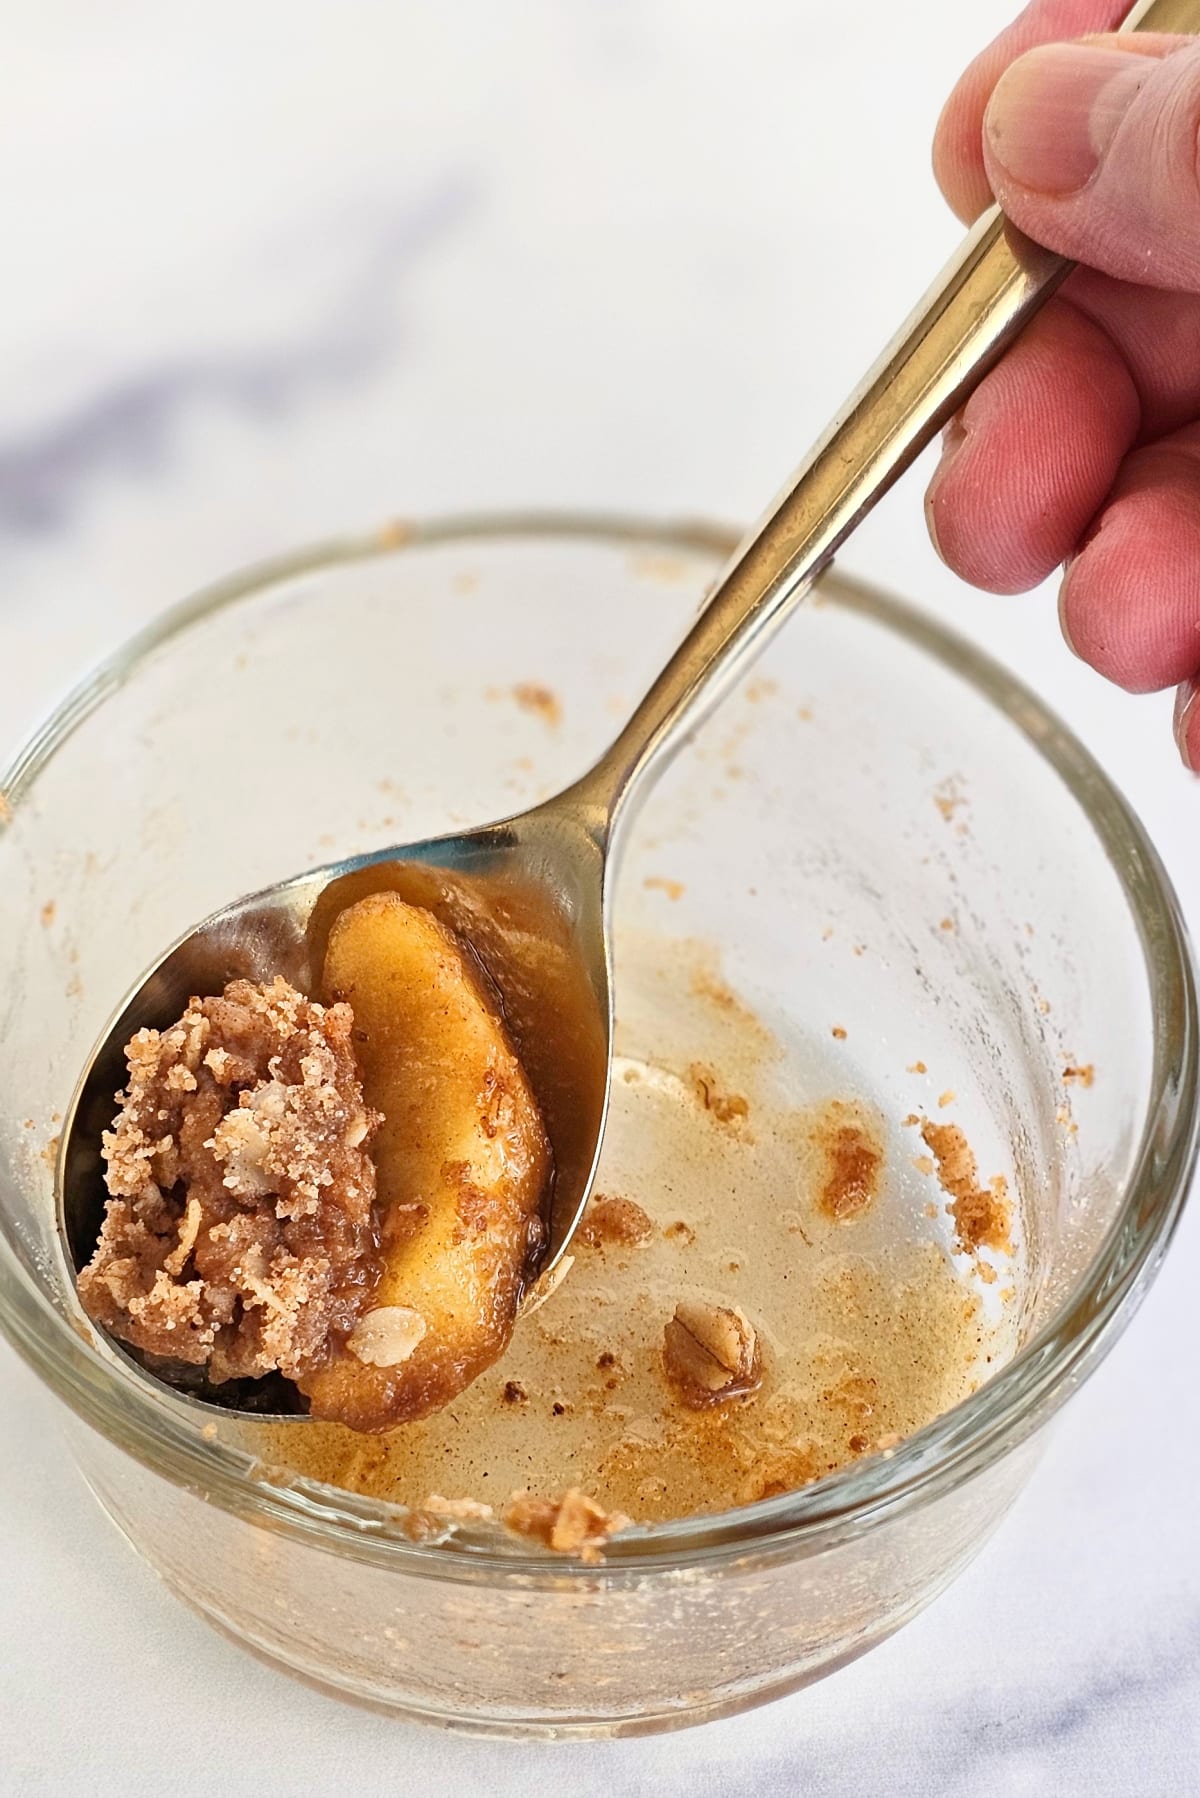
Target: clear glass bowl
pixel 896 838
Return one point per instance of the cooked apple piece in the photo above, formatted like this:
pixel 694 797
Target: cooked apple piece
pixel 461 1161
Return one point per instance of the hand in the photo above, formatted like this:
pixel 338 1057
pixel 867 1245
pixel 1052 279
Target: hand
pixel 1083 445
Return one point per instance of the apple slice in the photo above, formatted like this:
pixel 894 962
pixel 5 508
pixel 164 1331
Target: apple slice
pixel 461 1157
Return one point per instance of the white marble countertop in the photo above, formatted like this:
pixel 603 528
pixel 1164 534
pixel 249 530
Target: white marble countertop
pixel 281 268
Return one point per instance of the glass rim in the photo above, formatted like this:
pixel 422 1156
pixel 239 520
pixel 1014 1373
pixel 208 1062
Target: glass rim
pixel 153 1426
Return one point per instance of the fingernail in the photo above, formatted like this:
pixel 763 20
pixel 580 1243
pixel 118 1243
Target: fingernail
pixel 1186 700
pixel 954 435
pixel 1062 614
pixel 953 438
pixel 1055 111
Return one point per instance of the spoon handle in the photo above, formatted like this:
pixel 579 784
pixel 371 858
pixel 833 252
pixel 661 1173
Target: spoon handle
pixel 979 303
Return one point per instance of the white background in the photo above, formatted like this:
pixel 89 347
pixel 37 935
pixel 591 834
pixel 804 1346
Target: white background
pixel 274 268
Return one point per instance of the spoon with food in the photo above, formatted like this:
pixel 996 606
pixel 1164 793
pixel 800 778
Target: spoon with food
pixel 361 1112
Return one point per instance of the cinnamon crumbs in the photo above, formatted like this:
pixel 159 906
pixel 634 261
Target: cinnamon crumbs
pixel 572 1523
pixel 982 1214
pixel 239 1232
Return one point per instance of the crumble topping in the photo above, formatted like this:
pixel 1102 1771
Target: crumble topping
pixel 614 1220
pixel 239 1233
pixel 458 1510
pixel 387 1336
pixel 982 1214
pixel 572 1523
pixel 711 1354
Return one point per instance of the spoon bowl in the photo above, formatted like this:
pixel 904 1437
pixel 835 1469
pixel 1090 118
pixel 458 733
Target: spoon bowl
pixel 526 892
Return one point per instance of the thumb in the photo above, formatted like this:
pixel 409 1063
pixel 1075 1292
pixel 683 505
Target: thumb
pixel 1093 149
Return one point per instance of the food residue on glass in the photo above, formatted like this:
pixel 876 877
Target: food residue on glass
pixel 982 1214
